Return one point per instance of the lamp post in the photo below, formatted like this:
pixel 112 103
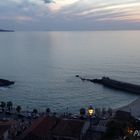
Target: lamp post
pixel 90 114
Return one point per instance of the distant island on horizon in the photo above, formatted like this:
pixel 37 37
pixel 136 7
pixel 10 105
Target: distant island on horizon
pixel 3 30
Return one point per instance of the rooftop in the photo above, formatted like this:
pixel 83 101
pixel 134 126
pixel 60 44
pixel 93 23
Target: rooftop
pixel 41 127
pixel 3 129
pixel 69 128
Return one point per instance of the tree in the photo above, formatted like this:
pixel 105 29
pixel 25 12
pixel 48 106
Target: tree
pixel 115 128
pixel 3 104
pixel 48 111
pixel 54 114
pixel 35 111
pixel 82 112
pixel 9 105
pixel 18 109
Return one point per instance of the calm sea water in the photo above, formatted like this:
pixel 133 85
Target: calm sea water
pixel 44 65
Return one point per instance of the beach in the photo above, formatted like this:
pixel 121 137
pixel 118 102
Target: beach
pixel 133 108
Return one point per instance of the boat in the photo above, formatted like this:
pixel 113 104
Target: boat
pixel 5 83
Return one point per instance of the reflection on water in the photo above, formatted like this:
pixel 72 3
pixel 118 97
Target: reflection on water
pixel 44 65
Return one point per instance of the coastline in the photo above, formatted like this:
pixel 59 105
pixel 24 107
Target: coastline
pixel 3 30
pixel 133 108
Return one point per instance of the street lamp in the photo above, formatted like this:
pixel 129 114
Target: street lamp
pixel 90 114
pixel 90 111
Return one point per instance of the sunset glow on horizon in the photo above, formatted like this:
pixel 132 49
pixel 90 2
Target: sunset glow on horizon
pixel 70 14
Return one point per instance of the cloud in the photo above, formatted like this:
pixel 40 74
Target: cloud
pixel 126 10
pixel 49 1
pixel 70 14
pixel 18 18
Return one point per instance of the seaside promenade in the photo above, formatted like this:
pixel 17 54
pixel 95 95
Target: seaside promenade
pixel 91 123
pixel 133 108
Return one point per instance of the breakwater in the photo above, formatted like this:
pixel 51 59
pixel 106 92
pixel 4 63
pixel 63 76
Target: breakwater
pixel 114 84
pixel 4 83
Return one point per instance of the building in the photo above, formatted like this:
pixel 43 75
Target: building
pixel 52 128
pixel 41 129
pixel 123 116
pixel 7 129
pixel 70 129
pixel 4 132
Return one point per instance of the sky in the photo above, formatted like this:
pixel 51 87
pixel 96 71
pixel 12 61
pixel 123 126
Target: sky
pixel 43 15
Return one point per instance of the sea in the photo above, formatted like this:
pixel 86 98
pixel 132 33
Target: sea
pixel 44 64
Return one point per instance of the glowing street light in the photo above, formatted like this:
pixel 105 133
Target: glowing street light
pixel 90 111
pixel 130 131
pixel 90 114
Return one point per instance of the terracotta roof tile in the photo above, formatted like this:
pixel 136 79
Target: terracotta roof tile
pixel 3 129
pixel 44 127
pixel 69 128
pixel 40 128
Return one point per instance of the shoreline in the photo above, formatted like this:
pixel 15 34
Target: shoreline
pixel 133 108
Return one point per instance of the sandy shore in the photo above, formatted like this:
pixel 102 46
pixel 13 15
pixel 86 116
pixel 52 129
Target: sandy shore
pixel 133 107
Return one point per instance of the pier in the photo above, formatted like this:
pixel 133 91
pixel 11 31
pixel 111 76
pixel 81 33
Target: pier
pixel 114 84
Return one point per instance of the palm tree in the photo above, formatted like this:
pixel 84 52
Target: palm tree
pixel 48 111
pixel 18 109
pixel 35 111
pixel 82 112
pixel 9 105
pixel 3 104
